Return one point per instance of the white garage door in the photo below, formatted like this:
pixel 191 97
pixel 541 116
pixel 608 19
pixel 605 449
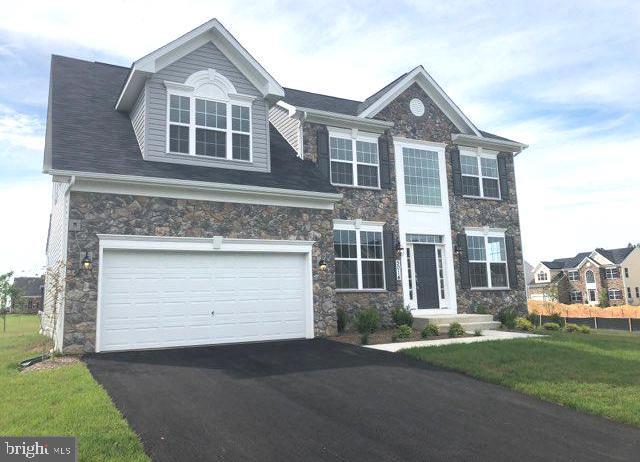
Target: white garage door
pixel 153 299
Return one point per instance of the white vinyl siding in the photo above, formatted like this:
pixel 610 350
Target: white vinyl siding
pixel 138 114
pixel 288 127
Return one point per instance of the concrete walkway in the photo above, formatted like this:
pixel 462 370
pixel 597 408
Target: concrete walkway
pixel 487 336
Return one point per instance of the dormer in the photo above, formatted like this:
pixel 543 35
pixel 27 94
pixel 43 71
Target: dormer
pixel 202 100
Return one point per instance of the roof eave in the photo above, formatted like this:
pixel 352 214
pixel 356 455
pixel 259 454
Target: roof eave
pixel 340 120
pixel 488 143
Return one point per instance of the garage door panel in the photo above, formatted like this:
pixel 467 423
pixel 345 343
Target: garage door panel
pixel 152 299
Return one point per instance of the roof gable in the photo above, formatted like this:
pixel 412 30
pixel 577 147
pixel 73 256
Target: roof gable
pixel 211 31
pixel 379 100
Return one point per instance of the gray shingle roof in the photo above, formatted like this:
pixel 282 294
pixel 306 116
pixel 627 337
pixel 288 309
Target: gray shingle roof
pixel 310 100
pixel 379 94
pixel 86 134
pixel 29 286
pixel 617 256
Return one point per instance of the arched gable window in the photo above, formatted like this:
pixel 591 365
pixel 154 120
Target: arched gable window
pixel 542 276
pixel 207 117
pixel 590 277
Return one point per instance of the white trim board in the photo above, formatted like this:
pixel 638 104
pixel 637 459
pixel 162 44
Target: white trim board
pixel 216 244
pixel 198 190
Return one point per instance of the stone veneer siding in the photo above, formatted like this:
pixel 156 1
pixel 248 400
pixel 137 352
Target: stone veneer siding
pixel 153 216
pixel 435 126
pixel 369 205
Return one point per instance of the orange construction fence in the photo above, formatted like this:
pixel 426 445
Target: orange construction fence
pixel 583 311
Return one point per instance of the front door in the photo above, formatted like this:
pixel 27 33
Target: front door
pixel 426 276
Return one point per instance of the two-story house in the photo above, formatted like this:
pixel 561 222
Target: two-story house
pixel 197 201
pixel 585 277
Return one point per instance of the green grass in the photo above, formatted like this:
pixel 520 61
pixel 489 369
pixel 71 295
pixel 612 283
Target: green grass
pixel 63 401
pixel 597 373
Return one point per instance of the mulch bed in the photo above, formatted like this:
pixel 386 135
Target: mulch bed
pixel 54 363
pixel 382 336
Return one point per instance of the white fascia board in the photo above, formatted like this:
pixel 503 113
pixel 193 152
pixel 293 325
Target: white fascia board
pixel 198 190
pixel 342 120
pixel 420 76
pixel 202 244
pixel 211 31
pixel 488 143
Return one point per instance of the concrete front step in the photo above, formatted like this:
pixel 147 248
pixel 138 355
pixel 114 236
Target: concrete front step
pixel 470 322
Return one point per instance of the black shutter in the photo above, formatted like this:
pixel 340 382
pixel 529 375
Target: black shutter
pixel 456 171
pixel 511 262
pixel 389 260
pixel 385 167
pixel 322 140
pixel 603 274
pixel 504 177
pixel 463 261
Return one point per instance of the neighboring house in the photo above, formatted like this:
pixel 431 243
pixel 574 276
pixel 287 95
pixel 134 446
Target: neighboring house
pixel 216 206
pixel 528 274
pixel 583 278
pixel 31 291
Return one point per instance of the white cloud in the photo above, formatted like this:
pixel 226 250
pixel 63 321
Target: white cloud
pixel 21 130
pixel 24 208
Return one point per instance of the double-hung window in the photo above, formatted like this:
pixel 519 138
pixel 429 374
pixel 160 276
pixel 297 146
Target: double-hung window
pixel 359 257
pixel 354 159
pixel 574 276
pixel 480 176
pixel 615 294
pixel 209 128
pixel 487 260
pixel 421 177
pixel 576 296
pixel 612 273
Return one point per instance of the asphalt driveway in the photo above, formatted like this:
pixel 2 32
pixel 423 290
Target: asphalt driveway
pixel 322 400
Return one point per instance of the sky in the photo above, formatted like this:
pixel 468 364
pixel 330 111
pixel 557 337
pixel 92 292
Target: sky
pixel 562 77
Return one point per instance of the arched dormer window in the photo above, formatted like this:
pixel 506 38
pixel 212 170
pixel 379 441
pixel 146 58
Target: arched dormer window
pixel 207 117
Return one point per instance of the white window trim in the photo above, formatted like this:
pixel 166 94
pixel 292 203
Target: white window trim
pixel 608 271
pixel 199 86
pixel 439 148
pixel 354 135
pixel 614 291
pixel 358 226
pixel 542 279
pixel 480 153
pixel 575 298
pixel 486 234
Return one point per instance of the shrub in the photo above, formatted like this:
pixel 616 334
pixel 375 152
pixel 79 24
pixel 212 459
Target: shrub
pixel 404 331
pixel 604 299
pixel 456 329
pixel 551 326
pixel 481 309
pixel 402 317
pixel 556 318
pixel 584 329
pixel 367 321
pixel 477 333
pixel 524 324
pixel 364 339
pixel 507 317
pixel 570 327
pixel 342 319
pixel 430 330
pixel 533 317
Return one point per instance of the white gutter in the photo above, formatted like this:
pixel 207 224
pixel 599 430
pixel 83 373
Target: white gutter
pixel 340 120
pixel 488 143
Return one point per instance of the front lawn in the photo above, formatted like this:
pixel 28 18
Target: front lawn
pixel 597 373
pixel 61 401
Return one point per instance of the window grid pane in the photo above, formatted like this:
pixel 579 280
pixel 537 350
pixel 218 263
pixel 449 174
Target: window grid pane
pixel 478 274
pixel 211 114
pixel 179 139
pixel 341 149
pixel 370 244
pixel 372 274
pixel 476 248
pixel 367 175
pixel 425 238
pixel 496 249
pixel 179 109
pixel 344 243
pixel 470 186
pixel 240 118
pixel 346 274
pixel 367 152
pixel 489 167
pixel 240 148
pixel 421 177
pixel 490 188
pixel 211 143
pixel 469 165
pixel 341 173
pixel 498 274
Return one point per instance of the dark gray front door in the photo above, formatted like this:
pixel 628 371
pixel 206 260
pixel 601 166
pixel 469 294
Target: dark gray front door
pixel 426 276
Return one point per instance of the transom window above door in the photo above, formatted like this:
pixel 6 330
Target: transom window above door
pixel 206 117
pixel 421 177
pixel 480 176
pixel 359 255
pixel 354 159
